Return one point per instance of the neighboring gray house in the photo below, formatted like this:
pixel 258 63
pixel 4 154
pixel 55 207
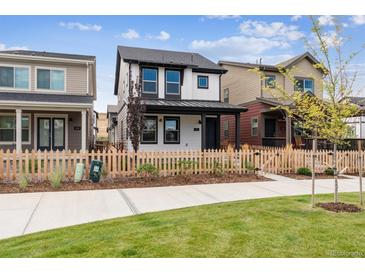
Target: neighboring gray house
pixel 357 123
pixel 181 93
pixel 46 100
pixel 112 115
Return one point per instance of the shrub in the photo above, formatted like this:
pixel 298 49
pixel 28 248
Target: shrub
pixel 250 167
pixel 304 171
pixel 104 171
pixel 185 165
pixel 148 170
pixel 217 168
pixel 24 181
pixel 329 171
pixel 56 179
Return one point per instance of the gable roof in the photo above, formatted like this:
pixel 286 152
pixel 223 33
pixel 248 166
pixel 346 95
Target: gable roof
pixel 286 64
pixel 112 109
pixel 164 58
pixel 49 54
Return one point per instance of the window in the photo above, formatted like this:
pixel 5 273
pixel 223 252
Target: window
pixel 8 129
pixel 203 81
pixel 14 77
pixel 149 133
pixel 149 80
pixel 51 79
pixel 225 129
pixel 270 81
pixel 172 130
pixel 172 83
pixel 226 95
pixel 254 126
pixel 304 85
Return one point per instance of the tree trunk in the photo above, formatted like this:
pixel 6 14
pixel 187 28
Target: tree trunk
pixel 314 151
pixel 335 172
pixel 360 172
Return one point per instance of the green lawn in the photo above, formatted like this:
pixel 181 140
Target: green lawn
pixel 275 227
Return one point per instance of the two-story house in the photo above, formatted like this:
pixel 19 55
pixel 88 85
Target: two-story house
pixel 261 124
pixel 181 94
pixel 46 100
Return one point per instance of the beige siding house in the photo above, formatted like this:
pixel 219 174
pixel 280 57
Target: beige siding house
pixel 46 100
pixel 261 125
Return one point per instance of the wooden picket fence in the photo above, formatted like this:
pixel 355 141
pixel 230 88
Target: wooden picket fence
pixel 39 165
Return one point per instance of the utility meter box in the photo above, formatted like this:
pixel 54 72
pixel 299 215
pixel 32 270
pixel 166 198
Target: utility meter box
pixel 95 170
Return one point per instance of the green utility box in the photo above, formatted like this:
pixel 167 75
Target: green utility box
pixel 95 170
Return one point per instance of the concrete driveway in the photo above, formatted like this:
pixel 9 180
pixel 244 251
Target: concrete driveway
pixel 31 212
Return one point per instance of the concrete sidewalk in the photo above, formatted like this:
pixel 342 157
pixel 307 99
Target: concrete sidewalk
pixel 31 212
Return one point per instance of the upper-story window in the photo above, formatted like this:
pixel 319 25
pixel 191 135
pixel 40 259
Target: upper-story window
pixel 226 95
pixel 172 82
pixel 203 81
pixel 270 81
pixel 14 77
pixel 51 79
pixel 304 85
pixel 149 80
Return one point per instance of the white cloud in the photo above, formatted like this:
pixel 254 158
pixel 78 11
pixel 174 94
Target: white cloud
pixel 295 18
pixel 163 36
pixel 221 17
pixel 4 47
pixel 79 26
pixel 358 19
pixel 326 20
pixel 277 30
pixel 236 47
pixel 130 34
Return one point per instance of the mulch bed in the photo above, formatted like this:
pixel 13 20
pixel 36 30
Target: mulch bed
pixel 125 182
pixel 340 207
pixel 304 177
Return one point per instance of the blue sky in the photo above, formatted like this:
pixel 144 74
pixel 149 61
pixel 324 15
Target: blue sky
pixel 239 38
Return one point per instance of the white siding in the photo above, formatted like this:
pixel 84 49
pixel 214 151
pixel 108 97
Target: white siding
pixel 189 139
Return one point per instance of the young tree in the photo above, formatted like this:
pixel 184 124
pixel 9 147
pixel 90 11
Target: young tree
pixel 135 118
pixel 322 117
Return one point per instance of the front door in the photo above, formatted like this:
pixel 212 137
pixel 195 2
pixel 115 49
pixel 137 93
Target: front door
pixel 51 134
pixel 270 127
pixel 211 133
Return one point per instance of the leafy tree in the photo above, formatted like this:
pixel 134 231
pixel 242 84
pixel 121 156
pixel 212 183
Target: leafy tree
pixel 322 117
pixel 135 118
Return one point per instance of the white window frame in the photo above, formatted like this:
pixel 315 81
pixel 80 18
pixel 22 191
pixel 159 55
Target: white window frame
pixel 169 82
pixel 304 80
pixel 18 66
pixel 267 78
pixel 50 90
pixel 257 127
pixel 224 95
pixel 29 129
pixel 150 81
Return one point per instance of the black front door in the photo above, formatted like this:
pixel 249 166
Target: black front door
pixel 270 127
pixel 51 134
pixel 211 133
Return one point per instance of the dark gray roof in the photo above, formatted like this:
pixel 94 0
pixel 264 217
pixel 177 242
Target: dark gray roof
pixel 50 54
pixel 112 109
pixel 190 59
pixel 191 106
pixel 54 98
pixel 360 101
pixel 284 64
pixel 297 58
